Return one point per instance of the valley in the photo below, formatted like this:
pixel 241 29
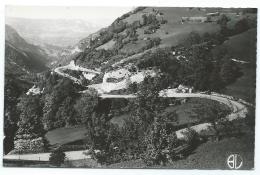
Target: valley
pixel 149 90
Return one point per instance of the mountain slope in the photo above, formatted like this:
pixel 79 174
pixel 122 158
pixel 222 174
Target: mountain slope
pixel 243 47
pixel 22 62
pixel 148 28
pixel 21 54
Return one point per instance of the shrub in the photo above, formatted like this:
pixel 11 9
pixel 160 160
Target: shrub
pixel 24 145
pixel 133 87
pixel 152 43
pixel 161 144
pixel 191 137
pixel 164 21
pixel 57 157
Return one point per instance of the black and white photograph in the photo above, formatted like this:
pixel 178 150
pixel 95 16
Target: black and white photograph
pixel 132 87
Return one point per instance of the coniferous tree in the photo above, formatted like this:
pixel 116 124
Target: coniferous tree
pixel 30 116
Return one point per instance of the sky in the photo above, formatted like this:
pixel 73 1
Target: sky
pixel 63 12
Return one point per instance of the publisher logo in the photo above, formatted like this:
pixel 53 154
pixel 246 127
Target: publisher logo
pixel 234 161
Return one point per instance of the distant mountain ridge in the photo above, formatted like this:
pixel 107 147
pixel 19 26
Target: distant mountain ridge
pixel 58 32
pixel 19 53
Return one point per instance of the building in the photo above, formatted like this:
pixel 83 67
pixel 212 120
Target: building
pixel 213 14
pixel 185 89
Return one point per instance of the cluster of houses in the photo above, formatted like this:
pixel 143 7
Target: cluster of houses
pixel 34 91
pixel 184 89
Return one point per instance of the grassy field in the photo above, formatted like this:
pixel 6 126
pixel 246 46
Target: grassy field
pixel 186 114
pixel 133 47
pixel 173 32
pixel 66 135
pixel 244 87
pixel 108 45
pixel 243 47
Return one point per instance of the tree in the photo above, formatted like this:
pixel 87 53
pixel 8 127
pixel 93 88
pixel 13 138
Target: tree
pixel 215 81
pixel 222 21
pixel 104 138
pixel 216 116
pixel 48 111
pixel 250 118
pixel 65 115
pixel 144 19
pixel 193 38
pixel 241 26
pixel 151 19
pixel 57 157
pixel 132 88
pixel 96 123
pixel 85 106
pixel 117 26
pixel 206 37
pixel 148 127
pixel 229 71
pixel 199 67
pixel 132 136
pixel 12 90
pixel 55 101
pixel 30 116
pixel 148 104
pixel 156 41
pixel 160 142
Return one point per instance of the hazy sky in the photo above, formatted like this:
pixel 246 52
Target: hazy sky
pixel 62 12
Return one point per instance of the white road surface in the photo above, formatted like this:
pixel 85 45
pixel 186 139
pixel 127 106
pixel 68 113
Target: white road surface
pixel 72 66
pixel 70 155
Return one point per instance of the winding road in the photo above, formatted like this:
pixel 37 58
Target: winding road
pixel 72 66
pixel 239 110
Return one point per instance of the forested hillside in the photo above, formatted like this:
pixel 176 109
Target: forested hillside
pixel 22 63
pixel 111 98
